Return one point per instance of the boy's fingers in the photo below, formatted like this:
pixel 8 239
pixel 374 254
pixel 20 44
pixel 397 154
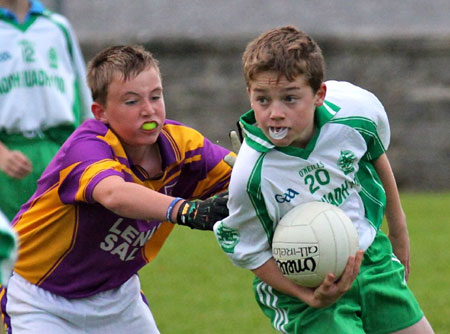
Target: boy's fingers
pixel 358 261
pixel 236 145
pixel 230 160
pixel 352 269
pixel 348 275
pixel 235 142
pixel 328 281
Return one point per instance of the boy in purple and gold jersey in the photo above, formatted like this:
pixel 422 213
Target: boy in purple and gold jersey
pixel 107 202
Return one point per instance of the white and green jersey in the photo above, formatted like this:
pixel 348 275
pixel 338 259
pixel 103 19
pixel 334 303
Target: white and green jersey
pixel 42 73
pixel 351 130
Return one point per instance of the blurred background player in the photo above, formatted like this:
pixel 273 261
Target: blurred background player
pixel 309 140
pixel 43 95
pixel 8 250
pixel 97 215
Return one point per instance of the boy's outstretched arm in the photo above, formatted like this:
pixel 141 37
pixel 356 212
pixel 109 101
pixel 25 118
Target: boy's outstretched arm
pixel 395 216
pixel 132 200
pixel 324 295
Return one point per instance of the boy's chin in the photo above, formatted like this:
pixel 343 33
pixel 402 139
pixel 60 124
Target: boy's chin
pixel 287 142
pixel 280 142
pixel 146 142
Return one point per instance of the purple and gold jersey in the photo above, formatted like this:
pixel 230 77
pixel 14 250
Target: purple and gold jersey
pixel 73 246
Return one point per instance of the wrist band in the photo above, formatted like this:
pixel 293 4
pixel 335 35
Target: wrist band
pixel 170 209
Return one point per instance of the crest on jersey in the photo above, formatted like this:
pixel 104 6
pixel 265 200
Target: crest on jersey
pixel 346 161
pixel 53 58
pixel 228 237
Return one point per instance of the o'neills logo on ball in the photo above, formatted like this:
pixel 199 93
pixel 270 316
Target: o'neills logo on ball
pixel 295 251
pixel 297 266
pixel 300 259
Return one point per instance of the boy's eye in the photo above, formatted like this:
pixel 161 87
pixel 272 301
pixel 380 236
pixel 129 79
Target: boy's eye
pixel 290 99
pixel 130 102
pixel 261 99
pixel 156 97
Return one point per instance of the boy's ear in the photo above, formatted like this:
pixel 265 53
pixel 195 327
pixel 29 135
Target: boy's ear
pixel 99 112
pixel 249 96
pixel 320 94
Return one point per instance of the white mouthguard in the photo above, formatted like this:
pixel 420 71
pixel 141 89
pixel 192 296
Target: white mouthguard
pixel 278 134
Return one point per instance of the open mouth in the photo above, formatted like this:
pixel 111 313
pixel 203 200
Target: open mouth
pixel 278 133
pixel 149 126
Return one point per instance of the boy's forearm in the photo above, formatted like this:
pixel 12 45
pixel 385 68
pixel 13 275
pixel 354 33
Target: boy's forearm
pixel 324 295
pixel 131 200
pixel 271 274
pixel 395 215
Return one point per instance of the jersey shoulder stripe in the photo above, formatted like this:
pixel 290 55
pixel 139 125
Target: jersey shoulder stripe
pixel 360 109
pixel 368 130
pixel 62 24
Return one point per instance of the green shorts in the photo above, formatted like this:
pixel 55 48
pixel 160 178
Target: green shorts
pixel 39 149
pixel 378 302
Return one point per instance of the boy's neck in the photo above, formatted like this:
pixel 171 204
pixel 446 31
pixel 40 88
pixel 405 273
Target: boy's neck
pixel 148 158
pixel 18 7
pixel 303 142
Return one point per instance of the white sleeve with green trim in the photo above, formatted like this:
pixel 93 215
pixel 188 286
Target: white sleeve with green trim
pixel 356 104
pixel 242 235
pixel 79 68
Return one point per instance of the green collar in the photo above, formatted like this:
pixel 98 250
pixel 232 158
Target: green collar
pixel 36 10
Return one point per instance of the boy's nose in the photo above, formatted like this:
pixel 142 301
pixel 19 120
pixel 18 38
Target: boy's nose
pixel 147 109
pixel 276 110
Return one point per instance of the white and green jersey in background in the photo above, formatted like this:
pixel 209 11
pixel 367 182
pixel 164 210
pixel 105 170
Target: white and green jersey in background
pixel 8 249
pixel 351 131
pixel 42 73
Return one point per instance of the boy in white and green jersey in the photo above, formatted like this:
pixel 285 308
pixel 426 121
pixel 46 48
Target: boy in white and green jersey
pixel 309 140
pixel 43 95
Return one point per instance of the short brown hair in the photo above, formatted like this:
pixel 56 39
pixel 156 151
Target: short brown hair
pixel 126 60
pixel 287 51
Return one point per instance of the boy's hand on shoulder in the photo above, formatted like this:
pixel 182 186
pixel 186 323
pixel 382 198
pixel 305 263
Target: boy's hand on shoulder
pixel 202 215
pixel 331 289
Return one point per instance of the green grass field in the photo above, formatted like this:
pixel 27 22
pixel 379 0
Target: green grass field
pixel 192 287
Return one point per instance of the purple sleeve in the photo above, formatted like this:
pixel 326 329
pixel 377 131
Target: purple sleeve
pixel 89 161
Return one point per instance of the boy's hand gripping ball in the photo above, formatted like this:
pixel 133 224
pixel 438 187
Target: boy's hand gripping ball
pixel 313 240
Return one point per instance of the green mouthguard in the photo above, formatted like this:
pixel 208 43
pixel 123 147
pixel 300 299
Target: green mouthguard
pixel 149 126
